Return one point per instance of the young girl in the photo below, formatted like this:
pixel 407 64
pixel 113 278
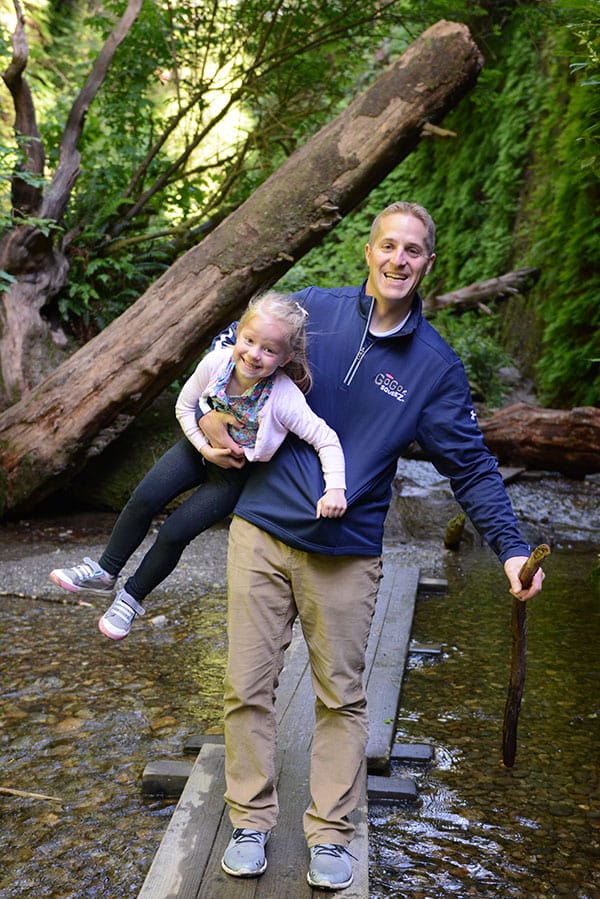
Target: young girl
pixel 260 382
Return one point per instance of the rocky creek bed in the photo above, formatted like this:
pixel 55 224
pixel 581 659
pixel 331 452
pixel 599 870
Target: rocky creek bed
pixel 80 717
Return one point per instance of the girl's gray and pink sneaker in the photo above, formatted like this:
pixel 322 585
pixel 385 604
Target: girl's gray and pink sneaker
pixel 85 578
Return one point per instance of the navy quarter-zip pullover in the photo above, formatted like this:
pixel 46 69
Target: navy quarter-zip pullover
pixel 379 394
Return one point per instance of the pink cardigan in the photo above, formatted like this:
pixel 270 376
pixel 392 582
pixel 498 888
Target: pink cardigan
pixel 285 410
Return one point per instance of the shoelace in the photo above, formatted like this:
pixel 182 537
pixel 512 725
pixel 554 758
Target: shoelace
pixel 248 836
pixel 332 849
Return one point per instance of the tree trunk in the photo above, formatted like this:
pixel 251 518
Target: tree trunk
pixel 474 296
pixel 90 398
pixel 547 439
pixel 29 345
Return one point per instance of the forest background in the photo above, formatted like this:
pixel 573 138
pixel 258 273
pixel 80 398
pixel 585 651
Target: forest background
pixel 204 99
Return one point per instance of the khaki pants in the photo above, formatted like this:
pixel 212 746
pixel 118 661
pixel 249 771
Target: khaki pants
pixel 271 583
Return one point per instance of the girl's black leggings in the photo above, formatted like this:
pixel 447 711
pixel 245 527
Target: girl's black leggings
pixel 182 468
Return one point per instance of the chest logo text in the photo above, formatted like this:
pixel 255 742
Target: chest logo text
pixel 388 384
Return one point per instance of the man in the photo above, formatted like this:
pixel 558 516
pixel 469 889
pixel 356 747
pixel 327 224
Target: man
pixel 383 377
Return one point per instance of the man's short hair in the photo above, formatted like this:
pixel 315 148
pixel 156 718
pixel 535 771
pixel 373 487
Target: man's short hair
pixel 406 208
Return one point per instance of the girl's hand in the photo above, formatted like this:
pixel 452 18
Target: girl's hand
pixel 332 504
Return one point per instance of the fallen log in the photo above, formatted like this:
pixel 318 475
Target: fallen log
pixel 566 441
pixel 475 296
pixel 88 400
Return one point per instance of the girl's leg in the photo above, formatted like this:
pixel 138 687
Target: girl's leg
pixel 213 501
pixel 179 469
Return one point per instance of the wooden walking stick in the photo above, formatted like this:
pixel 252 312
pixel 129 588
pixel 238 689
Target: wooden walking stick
pixel 518 660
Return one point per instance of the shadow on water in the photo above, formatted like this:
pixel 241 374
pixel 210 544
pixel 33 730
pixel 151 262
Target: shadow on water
pixel 480 829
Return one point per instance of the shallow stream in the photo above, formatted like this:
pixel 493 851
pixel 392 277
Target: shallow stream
pixel 480 829
pixel 81 717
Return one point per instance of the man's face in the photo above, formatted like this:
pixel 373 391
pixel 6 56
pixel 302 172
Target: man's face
pixel 398 259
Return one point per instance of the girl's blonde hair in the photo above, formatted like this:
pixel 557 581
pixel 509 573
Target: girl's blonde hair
pixel 293 317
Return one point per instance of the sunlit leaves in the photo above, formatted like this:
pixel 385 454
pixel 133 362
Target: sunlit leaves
pixel 203 100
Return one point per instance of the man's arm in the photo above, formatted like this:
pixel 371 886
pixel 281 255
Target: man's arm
pixel 214 427
pixel 449 434
pixel 450 437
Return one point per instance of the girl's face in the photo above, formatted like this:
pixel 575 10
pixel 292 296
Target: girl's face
pixel 260 348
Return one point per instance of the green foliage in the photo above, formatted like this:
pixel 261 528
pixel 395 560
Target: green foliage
pixel 339 260
pixel 101 286
pixel 564 240
pixel 472 183
pixel 518 186
pixel 584 25
pixel 204 100
pixel 11 160
pixel 474 337
pixel 6 280
pixel 201 103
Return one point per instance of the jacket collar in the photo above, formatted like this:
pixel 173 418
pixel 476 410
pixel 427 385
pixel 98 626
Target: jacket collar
pixel 365 306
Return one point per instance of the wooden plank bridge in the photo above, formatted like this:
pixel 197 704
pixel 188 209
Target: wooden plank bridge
pixel 187 864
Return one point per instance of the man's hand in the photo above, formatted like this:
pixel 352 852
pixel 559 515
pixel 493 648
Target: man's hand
pixel 222 457
pixel 214 427
pixel 332 504
pixel 512 568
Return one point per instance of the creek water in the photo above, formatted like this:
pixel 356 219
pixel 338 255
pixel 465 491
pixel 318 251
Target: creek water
pixel 81 717
pixel 480 829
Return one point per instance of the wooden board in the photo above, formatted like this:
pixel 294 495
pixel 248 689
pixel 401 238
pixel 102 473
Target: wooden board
pixel 388 643
pixel 287 854
pixel 188 842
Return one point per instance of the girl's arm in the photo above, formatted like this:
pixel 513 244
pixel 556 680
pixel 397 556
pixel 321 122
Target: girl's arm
pixel 186 408
pixel 296 415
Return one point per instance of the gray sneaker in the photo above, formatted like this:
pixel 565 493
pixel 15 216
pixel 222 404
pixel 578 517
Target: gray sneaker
pixel 117 620
pixel 330 867
pixel 245 854
pixel 85 578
